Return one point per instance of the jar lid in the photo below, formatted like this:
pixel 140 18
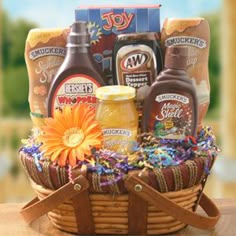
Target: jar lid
pixel 115 93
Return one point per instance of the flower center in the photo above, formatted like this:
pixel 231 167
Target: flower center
pixel 73 137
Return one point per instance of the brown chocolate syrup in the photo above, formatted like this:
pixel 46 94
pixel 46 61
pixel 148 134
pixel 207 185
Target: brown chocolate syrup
pixel 79 76
pixel 170 110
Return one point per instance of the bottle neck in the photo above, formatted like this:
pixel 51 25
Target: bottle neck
pixel 78 50
pixel 174 74
pixel 178 70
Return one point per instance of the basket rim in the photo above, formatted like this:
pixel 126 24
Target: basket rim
pixel 172 178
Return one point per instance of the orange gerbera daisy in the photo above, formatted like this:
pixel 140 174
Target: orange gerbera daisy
pixel 69 136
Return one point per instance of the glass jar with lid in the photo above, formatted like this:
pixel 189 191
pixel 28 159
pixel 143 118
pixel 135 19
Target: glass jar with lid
pixel 118 118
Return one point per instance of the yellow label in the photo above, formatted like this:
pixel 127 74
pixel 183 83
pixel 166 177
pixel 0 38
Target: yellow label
pixel 169 124
pixel 120 140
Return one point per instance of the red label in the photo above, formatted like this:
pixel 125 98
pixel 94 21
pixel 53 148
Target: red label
pixel 75 89
pixel 120 21
pixel 172 116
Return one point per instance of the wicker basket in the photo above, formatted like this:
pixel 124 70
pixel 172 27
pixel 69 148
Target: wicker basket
pixel 139 210
pixel 110 213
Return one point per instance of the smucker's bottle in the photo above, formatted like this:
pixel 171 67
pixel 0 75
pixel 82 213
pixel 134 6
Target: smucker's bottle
pixel 45 50
pixel 195 34
pixel 79 76
pixel 137 60
pixel 171 108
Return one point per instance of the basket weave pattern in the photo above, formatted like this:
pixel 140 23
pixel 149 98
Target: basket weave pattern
pixel 110 213
pixel 166 202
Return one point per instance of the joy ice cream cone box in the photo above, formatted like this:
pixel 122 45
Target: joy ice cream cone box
pixel 106 22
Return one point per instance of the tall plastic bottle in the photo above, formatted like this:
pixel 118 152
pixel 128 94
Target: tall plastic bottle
pixel 79 76
pixel 171 108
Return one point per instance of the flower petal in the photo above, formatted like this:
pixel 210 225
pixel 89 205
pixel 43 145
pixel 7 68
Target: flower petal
pixel 90 119
pixel 63 158
pixel 93 142
pixel 68 116
pixel 79 154
pixel 72 158
pixel 93 128
pixel 85 148
pixel 81 111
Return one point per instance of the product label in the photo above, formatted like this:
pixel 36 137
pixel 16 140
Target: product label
pixel 135 60
pixel 120 21
pixel 47 51
pixel 186 40
pixel 75 89
pixel 136 67
pixel 105 23
pixel 119 132
pixel 172 116
pixel 47 68
pixel 42 64
pixel 120 140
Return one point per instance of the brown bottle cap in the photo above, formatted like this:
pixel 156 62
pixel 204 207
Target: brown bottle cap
pixel 79 35
pixel 176 57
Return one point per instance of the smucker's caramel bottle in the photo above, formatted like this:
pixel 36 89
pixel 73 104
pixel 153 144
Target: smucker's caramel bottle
pixel 137 60
pixel 79 76
pixel 45 50
pixel 195 34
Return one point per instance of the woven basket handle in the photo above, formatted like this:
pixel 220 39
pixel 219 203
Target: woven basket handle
pixel 137 186
pixel 37 208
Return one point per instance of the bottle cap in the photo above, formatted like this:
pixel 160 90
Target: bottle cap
pixel 115 93
pixel 176 57
pixel 79 35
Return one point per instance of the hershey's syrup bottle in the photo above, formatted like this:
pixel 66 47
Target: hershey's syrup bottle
pixel 171 108
pixel 79 76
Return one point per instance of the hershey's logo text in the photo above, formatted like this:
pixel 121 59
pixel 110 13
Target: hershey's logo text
pixel 81 88
pixel 119 21
pixel 185 40
pixel 134 60
pixel 47 51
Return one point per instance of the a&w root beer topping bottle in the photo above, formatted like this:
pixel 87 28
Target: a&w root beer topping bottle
pixel 79 76
pixel 137 60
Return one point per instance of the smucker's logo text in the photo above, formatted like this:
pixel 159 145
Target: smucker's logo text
pixel 172 97
pixel 47 51
pixel 116 132
pixel 134 60
pixel 120 21
pixel 184 40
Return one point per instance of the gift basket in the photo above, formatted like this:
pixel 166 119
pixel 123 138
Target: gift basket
pixel 131 158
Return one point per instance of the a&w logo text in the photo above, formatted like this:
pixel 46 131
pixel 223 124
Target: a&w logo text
pixel 134 60
pixel 185 40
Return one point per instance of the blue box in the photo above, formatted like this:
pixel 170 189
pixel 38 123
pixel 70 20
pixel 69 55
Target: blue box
pixel 106 22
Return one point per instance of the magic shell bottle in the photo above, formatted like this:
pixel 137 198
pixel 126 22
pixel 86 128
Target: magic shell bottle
pixel 170 109
pixel 79 76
